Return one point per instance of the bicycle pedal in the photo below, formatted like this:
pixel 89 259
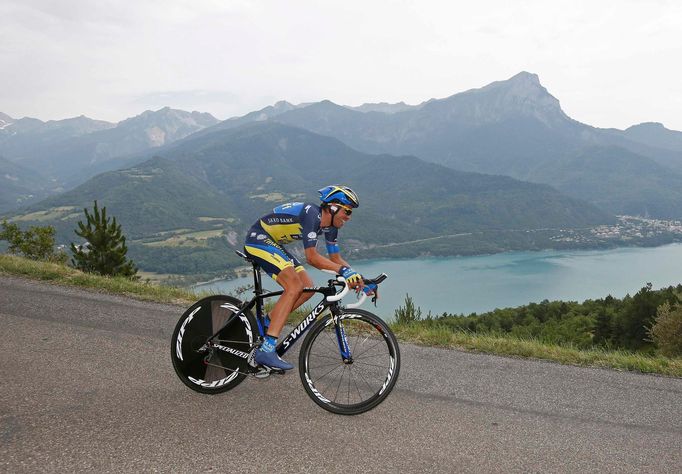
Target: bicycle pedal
pixel 278 371
pixel 262 373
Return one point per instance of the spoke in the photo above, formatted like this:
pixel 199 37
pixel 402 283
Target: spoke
pixel 371 356
pixel 329 336
pixel 369 349
pixel 367 383
pixel 330 384
pixel 355 344
pixel 358 390
pixel 340 380
pixel 318 366
pixel 372 365
pixel 327 357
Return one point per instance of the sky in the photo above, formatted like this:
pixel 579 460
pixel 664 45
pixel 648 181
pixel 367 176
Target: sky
pixel 611 64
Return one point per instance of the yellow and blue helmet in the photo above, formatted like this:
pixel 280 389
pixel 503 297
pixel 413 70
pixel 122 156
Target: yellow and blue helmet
pixel 340 194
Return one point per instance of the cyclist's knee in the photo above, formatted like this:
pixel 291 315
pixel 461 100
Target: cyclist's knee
pixel 291 282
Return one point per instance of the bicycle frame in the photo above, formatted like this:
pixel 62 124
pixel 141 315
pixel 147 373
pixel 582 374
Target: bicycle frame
pixel 288 341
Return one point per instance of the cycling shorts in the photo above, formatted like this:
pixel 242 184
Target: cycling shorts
pixel 270 256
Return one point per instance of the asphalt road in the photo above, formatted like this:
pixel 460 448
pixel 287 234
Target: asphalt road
pixel 87 385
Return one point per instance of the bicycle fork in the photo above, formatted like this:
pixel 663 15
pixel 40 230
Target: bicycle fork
pixel 342 340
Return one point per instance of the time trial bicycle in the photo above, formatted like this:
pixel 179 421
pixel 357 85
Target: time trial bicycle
pixel 349 361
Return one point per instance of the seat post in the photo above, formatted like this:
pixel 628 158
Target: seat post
pixel 257 282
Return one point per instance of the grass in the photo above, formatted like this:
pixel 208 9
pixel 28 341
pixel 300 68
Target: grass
pixel 432 336
pixel 229 220
pixel 531 348
pixel 67 276
pixel 192 239
pixel 55 212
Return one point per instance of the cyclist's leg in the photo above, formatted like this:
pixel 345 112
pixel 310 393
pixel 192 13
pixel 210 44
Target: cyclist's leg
pixel 293 288
pixel 280 266
pixel 285 270
pixel 306 281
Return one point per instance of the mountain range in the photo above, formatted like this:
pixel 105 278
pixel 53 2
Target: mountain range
pixel 70 151
pixel 222 181
pixel 516 128
pixel 186 186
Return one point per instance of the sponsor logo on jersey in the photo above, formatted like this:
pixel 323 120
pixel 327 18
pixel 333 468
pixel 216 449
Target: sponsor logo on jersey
pixel 280 220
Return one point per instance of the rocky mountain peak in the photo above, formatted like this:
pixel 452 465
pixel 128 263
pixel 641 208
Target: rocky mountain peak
pixel 283 105
pixel 6 118
pixel 520 95
pixel 525 77
pixel 647 126
pixel 166 125
pixel 384 107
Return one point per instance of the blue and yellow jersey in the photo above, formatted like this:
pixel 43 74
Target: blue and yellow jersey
pixel 294 221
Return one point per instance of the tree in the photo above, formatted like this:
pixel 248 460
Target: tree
pixel 409 313
pixel 666 331
pixel 639 313
pixel 105 249
pixel 36 243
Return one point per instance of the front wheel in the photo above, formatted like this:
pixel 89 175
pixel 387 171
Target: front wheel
pixel 350 368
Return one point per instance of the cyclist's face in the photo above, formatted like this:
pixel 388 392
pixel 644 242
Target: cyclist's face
pixel 342 216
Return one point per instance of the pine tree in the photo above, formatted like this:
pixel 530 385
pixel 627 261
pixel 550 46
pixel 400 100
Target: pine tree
pixel 105 250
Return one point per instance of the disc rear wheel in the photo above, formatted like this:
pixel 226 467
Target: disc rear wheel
pixel 219 365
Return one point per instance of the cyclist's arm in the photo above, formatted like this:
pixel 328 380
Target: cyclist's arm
pixel 336 258
pixel 322 263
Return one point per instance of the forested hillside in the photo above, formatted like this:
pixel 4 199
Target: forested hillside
pixel 201 195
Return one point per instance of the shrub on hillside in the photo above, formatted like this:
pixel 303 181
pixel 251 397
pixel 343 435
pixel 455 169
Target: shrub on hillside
pixel 408 313
pixel 36 243
pixel 105 249
pixel 666 331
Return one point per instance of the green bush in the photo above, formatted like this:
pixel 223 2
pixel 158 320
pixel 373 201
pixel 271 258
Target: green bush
pixel 36 243
pixel 106 249
pixel 666 331
pixel 408 313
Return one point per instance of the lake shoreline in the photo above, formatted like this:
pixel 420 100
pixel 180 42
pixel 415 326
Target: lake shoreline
pixel 480 283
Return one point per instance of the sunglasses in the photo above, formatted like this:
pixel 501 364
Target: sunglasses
pixel 347 210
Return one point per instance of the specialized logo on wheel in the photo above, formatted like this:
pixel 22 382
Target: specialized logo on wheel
pixel 216 383
pixel 390 376
pixel 242 316
pixel 178 344
pixel 314 390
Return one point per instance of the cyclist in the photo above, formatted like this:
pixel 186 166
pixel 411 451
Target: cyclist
pixel 299 221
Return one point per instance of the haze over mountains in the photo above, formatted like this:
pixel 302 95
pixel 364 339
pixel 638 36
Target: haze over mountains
pixel 67 152
pixel 221 182
pixel 423 171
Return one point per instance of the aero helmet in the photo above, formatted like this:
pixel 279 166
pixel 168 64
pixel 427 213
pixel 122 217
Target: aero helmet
pixel 339 194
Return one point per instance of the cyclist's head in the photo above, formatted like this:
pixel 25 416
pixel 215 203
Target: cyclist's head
pixel 339 194
pixel 336 198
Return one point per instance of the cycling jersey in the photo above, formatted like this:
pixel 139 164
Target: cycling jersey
pixel 287 223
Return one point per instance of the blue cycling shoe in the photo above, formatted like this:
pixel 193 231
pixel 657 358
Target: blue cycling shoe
pixel 272 360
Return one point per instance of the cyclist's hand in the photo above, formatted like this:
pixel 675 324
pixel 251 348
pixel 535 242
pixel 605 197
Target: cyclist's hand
pixel 371 289
pixel 353 278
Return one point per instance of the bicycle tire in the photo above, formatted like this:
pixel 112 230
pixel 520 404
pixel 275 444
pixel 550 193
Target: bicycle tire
pixel 367 335
pixel 217 370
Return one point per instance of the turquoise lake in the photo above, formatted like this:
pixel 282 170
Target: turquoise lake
pixel 482 283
